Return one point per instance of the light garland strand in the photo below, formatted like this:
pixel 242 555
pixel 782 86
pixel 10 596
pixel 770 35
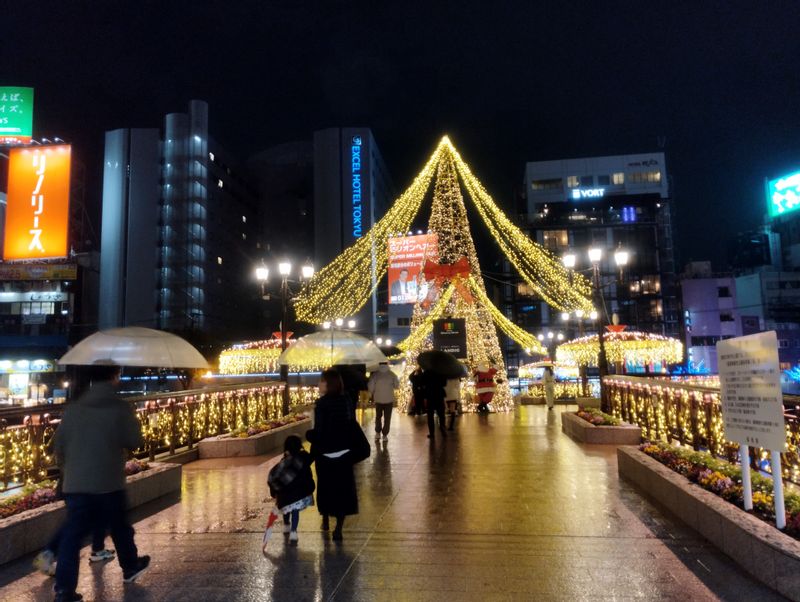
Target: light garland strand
pixel 639 348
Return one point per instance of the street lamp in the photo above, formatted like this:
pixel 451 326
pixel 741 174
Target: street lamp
pixel 351 324
pixel 284 270
pixel 564 316
pixel 569 260
pixel 595 255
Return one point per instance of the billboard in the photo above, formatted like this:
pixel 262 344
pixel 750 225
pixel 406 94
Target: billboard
pixel 16 115
pixel 407 255
pixel 450 335
pixel 38 271
pixel 37 210
pixel 783 194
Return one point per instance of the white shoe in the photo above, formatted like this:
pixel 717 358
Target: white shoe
pixel 45 562
pixel 293 537
pixel 287 528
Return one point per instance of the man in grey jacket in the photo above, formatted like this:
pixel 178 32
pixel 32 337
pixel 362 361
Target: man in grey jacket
pixel 382 385
pixel 91 444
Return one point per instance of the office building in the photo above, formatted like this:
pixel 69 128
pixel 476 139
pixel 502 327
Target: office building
pixel 352 190
pixel 179 231
pixel 608 202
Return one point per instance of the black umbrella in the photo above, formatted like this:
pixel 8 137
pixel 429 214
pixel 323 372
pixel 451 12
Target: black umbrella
pixel 443 363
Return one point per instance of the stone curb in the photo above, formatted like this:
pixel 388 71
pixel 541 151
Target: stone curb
pixel 767 554
pixel 29 531
pixel 585 432
pixel 257 445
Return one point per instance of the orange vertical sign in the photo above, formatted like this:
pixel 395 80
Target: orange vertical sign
pixel 37 210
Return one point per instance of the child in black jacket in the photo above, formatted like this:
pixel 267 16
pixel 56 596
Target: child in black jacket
pixel 291 484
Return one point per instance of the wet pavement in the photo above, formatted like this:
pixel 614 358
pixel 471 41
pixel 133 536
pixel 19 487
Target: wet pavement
pixel 507 508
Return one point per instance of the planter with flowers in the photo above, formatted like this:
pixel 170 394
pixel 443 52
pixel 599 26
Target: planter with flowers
pixel 590 425
pixel 30 517
pixel 255 439
pixel 706 494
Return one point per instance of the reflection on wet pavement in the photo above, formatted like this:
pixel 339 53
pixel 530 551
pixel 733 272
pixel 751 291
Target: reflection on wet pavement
pixel 507 508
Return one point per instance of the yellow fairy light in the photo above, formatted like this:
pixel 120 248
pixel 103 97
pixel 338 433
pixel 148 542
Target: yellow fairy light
pixel 343 287
pixel 628 346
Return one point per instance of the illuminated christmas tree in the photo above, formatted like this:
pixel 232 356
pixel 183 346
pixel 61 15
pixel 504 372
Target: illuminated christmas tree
pixel 342 287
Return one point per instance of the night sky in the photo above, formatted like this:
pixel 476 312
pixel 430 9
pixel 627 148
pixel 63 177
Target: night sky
pixel 508 81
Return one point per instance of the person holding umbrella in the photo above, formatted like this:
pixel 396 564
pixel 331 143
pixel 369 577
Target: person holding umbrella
pixel 437 367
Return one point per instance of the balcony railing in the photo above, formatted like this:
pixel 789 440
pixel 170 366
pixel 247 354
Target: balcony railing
pixel 171 423
pixel 691 414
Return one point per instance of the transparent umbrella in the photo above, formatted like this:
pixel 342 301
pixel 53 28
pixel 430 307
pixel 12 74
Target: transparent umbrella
pixel 333 348
pixel 137 347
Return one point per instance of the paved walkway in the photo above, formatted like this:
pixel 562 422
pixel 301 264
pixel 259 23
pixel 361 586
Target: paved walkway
pixel 507 508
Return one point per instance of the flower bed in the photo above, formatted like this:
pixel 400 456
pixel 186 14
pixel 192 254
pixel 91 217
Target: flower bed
pixel 263 427
pixel 258 443
pixel 725 480
pixel 584 429
pixel 597 418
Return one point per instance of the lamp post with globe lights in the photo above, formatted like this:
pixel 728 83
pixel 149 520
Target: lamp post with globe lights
pixel 286 295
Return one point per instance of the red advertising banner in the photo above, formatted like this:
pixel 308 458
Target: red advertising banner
pixel 407 255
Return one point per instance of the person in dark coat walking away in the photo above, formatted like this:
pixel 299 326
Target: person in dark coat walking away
pixel 90 444
pixel 434 395
pixel 417 380
pixel 332 447
pixel 291 484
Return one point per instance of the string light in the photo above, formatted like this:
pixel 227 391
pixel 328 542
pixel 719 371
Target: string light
pixel 640 348
pixel 256 357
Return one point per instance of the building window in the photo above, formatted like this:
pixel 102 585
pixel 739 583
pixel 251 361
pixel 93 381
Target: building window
pixel 723 291
pixel 726 318
pixel 219 260
pixel 404 321
pixel 646 177
pixel 244 236
pixel 603 180
pixel 783 343
pixel 587 180
pixel 219 183
pixel 555 240
pixel 573 182
pixel 211 156
pixel 553 184
pixel 618 178
pixel 244 219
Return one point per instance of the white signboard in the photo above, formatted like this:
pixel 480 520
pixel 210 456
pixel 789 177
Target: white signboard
pixel 750 386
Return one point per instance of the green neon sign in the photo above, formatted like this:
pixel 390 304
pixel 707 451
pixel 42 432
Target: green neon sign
pixel 16 115
pixel 783 194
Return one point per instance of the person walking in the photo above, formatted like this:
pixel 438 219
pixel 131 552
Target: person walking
pixel 337 443
pixel 382 385
pixel 91 443
pixel 434 395
pixel 452 395
pixel 45 561
pixel 549 387
pixel 417 380
pixel 291 484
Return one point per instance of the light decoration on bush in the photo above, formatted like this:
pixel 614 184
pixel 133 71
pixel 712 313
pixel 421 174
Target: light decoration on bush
pixel 640 348
pixel 255 357
pixel 343 287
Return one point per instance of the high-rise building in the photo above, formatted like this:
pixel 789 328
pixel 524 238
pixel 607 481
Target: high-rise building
pixel 179 230
pixel 608 202
pixel 352 190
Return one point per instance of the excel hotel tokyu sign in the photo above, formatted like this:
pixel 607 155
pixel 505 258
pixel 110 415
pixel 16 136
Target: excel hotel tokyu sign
pixel 37 211
pixel 356 181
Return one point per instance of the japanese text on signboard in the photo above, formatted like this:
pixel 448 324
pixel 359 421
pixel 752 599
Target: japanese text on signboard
pixel 407 255
pixel 750 387
pixel 37 212
pixel 16 115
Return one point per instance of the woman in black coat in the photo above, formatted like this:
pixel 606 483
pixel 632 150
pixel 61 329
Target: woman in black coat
pixel 332 446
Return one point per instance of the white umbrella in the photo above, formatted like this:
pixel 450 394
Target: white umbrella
pixel 134 346
pixel 336 347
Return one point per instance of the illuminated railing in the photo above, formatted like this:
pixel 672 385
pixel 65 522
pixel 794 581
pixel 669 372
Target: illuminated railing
pixel 691 415
pixel 171 422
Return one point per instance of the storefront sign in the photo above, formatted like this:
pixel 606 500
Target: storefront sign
pixel 26 366
pixel 55 296
pixel 37 211
pixel 38 271
pixel 407 255
pixel 588 193
pixel 16 115
pixel 355 171
pixel 450 335
pixel 750 387
pixel 783 195
pixel 31 319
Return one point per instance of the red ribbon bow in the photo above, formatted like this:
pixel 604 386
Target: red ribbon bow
pixel 440 272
